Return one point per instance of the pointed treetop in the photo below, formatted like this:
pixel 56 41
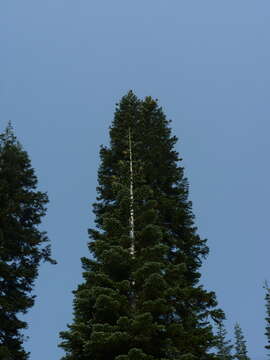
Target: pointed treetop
pixel 240 344
pixel 126 112
pixel 8 136
pixel 223 345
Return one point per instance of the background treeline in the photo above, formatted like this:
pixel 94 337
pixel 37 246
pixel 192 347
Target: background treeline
pixel 141 298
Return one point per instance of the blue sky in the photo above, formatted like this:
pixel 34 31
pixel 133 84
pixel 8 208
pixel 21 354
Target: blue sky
pixel 64 64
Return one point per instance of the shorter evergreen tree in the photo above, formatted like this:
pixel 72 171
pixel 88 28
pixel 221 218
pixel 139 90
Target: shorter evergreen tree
pixel 223 346
pixel 240 344
pixel 267 328
pixel 22 245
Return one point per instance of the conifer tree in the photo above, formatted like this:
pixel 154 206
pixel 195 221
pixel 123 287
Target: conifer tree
pixel 267 328
pixel 141 298
pixel 240 344
pixel 22 245
pixel 223 346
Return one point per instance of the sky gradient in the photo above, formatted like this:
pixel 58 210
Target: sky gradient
pixel 64 64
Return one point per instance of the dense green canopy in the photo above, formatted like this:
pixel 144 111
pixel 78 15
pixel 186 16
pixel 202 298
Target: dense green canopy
pixel 149 305
pixel 22 244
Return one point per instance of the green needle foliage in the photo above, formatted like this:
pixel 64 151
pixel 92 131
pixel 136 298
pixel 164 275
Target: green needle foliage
pixel 21 243
pixel 267 328
pixel 146 306
pixel 240 344
pixel 223 346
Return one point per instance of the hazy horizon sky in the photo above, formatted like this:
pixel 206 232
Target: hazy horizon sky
pixel 64 64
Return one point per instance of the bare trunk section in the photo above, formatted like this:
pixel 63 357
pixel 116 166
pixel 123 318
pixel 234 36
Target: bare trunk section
pixel 131 234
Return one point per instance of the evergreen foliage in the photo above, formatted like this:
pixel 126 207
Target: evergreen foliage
pixel 240 344
pixel 149 306
pixel 223 345
pixel 22 245
pixel 267 328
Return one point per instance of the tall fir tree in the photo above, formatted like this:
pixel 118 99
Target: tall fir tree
pixel 141 298
pixel 22 244
pixel 267 319
pixel 224 347
pixel 241 352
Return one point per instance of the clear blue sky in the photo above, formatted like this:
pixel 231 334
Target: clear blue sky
pixel 64 64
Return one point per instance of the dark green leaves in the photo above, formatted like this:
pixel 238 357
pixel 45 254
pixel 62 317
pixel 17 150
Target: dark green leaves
pixel 22 244
pixel 147 305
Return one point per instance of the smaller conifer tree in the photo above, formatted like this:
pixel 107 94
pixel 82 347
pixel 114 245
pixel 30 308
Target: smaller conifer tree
pixel 267 328
pixel 223 346
pixel 240 344
pixel 21 242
